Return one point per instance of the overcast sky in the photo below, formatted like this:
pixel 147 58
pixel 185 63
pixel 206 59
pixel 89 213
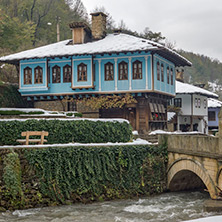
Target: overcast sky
pixel 194 25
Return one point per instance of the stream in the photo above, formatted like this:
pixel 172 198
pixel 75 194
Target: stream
pixel 171 207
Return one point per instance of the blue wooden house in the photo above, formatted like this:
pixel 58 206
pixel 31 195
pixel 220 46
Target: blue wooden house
pixel 94 63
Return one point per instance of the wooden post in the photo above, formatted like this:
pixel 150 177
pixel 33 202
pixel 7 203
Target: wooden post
pixel 191 117
pixel 147 116
pixel 42 137
pixel 58 30
pixel 137 118
pixel 27 139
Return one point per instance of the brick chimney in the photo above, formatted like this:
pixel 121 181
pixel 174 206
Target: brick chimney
pixel 98 25
pixel 81 33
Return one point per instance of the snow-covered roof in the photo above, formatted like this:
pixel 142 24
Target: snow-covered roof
pixel 185 88
pixel 214 103
pixel 112 43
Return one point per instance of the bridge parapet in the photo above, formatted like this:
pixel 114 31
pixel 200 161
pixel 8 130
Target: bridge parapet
pixel 201 145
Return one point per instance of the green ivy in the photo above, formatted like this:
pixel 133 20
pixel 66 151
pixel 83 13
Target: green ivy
pixel 82 131
pixel 98 173
pixel 12 175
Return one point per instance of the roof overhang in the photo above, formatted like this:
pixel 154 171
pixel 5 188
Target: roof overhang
pixel 201 94
pixel 173 57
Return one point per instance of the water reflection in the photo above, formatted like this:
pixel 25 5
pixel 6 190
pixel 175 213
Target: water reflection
pixel 165 207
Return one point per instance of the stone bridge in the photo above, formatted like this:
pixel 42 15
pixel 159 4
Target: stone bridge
pixel 194 161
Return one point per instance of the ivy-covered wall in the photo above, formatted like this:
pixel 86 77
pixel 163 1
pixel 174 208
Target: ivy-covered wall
pixel 65 131
pixel 52 176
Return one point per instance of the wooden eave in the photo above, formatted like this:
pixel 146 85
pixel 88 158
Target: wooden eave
pixel 80 25
pixel 172 57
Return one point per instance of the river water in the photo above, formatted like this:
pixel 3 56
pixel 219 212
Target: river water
pixel 165 207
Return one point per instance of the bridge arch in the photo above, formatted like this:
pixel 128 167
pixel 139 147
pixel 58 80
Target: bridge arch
pixel 219 177
pixel 193 168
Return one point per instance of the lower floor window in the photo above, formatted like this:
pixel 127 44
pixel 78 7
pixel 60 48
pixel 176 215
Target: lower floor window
pixel 211 115
pixel 178 102
pixel 71 106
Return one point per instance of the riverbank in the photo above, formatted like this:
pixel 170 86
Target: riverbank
pixel 48 176
pixel 207 219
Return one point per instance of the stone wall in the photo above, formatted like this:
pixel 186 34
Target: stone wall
pixel 194 144
pixel 58 105
pixel 49 105
pixel 87 111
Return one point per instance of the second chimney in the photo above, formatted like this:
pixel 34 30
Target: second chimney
pixel 81 33
pixel 98 25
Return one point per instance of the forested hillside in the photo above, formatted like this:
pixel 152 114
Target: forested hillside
pixel 203 70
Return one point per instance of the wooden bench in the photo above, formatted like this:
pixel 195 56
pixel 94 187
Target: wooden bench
pixel 33 133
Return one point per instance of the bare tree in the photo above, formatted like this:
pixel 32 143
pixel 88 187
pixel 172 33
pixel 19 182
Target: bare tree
pixel 169 44
pixel 78 9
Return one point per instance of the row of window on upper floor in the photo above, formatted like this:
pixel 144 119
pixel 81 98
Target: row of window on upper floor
pixel 197 103
pixel 160 73
pixel 82 73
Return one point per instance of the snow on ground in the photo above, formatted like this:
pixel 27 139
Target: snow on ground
pixel 2 66
pixel 170 115
pixel 25 110
pixel 156 132
pixel 54 114
pixel 207 219
pixel 135 133
pixel 46 113
pixel 135 142
pixel 73 119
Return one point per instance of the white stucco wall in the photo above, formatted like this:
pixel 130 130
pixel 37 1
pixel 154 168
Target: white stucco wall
pixel 186 109
pixel 200 114
pixel 200 111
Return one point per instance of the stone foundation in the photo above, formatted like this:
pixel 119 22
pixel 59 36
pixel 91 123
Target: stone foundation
pixel 58 105
pixel 87 111
pixel 49 105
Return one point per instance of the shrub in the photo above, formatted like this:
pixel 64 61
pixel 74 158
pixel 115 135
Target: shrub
pixel 78 114
pixel 69 114
pixel 66 131
pixel 17 112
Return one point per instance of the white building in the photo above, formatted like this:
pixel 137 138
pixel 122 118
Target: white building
pixel 192 101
